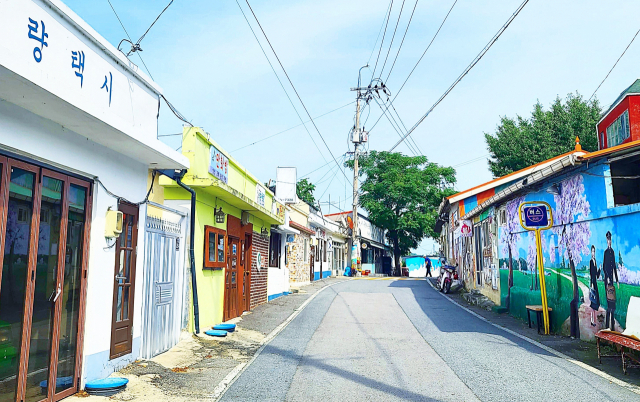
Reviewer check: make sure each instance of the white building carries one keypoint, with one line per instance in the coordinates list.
(78, 125)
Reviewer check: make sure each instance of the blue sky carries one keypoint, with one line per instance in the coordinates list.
(210, 67)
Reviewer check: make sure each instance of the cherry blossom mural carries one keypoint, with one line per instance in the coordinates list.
(571, 209)
(591, 255)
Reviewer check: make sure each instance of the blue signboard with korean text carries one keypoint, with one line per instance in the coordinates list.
(219, 165)
(536, 216)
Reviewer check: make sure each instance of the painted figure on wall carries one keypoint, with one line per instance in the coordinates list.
(594, 295)
(610, 271)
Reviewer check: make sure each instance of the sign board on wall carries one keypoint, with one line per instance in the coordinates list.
(278, 210)
(219, 165)
(464, 229)
(260, 195)
(47, 50)
(286, 179)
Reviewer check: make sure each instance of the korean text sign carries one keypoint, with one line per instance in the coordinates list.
(536, 216)
(219, 165)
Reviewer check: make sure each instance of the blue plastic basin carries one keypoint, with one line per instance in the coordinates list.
(106, 383)
(216, 332)
(225, 327)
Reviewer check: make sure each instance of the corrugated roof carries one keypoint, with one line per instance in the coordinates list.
(507, 178)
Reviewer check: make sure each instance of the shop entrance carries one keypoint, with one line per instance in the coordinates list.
(232, 280)
(312, 263)
(237, 291)
(125, 275)
(44, 222)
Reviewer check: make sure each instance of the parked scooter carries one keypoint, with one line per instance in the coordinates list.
(448, 274)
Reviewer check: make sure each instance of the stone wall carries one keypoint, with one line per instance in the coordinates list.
(297, 264)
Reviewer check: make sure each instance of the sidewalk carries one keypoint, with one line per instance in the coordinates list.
(194, 369)
(582, 351)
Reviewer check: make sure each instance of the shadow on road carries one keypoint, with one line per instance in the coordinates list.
(368, 382)
(450, 318)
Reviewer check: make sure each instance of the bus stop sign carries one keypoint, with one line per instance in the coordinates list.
(536, 216)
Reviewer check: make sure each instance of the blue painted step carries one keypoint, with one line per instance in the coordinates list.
(225, 327)
(216, 332)
(106, 383)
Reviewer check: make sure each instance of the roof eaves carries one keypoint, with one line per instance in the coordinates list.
(535, 177)
(500, 180)
(609, 151)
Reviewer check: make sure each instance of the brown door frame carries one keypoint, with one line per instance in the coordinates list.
(83, 288)
(39, 172)
(312, 263)
(248, 243)
(132, 210)
(231, 300)
(27, 309)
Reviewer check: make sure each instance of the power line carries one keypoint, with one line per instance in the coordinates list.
(278, 77)
(379, 32)
(291, 128)
(420, 59)
(466, 71)
(130, 41)
(615, 64)
(402, 42)
(294, 88)
(405, 127)
(148, 29)
(382, 42)
(479, 158)
(392, 38)
(415, 153)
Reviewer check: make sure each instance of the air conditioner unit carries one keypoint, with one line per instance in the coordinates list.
(245, 218)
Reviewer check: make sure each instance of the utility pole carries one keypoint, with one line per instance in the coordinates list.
(357, 138)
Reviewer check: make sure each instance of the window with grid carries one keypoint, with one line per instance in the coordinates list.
(619, 130)
(214, 247)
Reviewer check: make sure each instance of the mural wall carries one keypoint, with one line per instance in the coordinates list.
(591, 255)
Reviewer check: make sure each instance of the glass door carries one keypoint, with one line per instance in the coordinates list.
(35, 229)
(46, 288)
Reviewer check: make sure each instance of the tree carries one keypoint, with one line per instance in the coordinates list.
(305, 189)
(401, 195)
(519, 143)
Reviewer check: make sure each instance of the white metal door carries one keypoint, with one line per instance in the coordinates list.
(163, 286)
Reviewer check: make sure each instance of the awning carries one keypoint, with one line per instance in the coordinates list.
(301, 228)
(284, 229)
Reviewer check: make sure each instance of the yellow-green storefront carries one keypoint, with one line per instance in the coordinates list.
(230, 255)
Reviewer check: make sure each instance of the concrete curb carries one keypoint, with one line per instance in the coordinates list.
(610, 378)
(224, 385)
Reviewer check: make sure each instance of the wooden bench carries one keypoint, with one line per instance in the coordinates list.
(538, 311)
(628, 340)
(628, 359)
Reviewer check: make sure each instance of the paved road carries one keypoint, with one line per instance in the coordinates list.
(399, 340)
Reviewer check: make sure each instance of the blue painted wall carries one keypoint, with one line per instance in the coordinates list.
(583, 213)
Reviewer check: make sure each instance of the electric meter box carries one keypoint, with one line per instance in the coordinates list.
(113, 224)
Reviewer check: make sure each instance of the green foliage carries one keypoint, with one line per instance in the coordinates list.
(305, 189)
(402, 194)
(519, 143)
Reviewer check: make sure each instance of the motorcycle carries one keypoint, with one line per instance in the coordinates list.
(448, 274)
